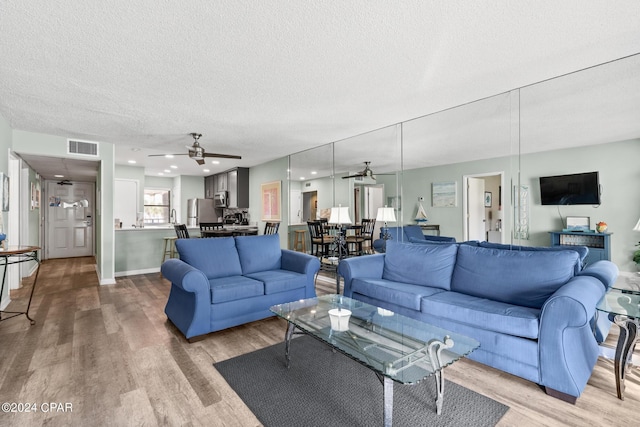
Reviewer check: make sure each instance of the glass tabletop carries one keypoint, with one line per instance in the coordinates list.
(620, 302)
(628, 284)
(392, 345)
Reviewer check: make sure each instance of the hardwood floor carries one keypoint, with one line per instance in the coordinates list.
(110, 353)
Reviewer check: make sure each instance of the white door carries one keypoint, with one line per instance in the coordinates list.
(69, 223)
(295, 207)
(475, 209)
(373, 199)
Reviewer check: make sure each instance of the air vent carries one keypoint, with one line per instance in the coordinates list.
(86, 148)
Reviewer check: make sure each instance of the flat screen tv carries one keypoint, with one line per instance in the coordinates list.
(575, 189)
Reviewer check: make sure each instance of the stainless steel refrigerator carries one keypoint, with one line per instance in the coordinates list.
(201, 210)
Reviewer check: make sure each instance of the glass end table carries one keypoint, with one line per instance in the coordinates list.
(623, 307)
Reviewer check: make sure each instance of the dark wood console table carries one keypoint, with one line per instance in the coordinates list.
(15, 255)
(431, 227)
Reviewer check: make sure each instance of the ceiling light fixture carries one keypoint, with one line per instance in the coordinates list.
(167, 171)
(173, 167)
(215, 162)
(205, 170)
(59, 176)
(131, 161)
(169, 156)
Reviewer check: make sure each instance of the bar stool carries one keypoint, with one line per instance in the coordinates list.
(169, 248)
(300, 240)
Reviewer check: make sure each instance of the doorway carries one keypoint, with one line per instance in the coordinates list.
(310, 205)
(482, 209)
(69, 219)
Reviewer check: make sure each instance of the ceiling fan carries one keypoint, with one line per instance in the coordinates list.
(365, 173)
(197, 153)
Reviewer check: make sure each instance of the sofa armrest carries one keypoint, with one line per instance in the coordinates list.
(603, 270)
(299, 262)
(362, 267)
(566, 345)
(304, 264)
(189, 303)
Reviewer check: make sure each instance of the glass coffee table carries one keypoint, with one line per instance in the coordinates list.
(396, 348)
(622, 303)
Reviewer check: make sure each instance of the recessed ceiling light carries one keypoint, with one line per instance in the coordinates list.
(174, 167)
(314, 173)
(131, 161)
(301, 178)
(215, 162)
(160, 173)
(59, 176)
(205, 170)
(167, 171)
(169, 156)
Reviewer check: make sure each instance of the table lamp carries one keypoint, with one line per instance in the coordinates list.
(386, 214)
(340, 216)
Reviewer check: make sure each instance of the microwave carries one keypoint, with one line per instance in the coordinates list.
(220, 199)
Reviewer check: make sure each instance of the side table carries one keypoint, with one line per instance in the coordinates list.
(623, 308)
(15, 255)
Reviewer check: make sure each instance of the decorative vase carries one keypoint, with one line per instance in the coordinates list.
(601, 227)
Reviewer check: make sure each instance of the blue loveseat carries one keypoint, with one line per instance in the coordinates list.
(222, 282)
(406, 234)
(530, 310)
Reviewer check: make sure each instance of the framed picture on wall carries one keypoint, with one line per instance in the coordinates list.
(271, 204)
(444, 194)
(487, 199)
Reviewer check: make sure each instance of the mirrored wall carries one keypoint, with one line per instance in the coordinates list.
(475, 168)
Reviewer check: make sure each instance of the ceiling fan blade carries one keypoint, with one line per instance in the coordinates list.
(163, 155)
(358, 175)
(223, 156)
(199, 161)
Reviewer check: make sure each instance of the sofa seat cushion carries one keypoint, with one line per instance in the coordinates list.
(279, 280)
(427, 265)
(214, 257)
(484, 313)
(397, 293)
(526, 278)
(233, 288)
(259, 253)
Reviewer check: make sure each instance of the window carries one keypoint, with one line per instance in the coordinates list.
(156, 206)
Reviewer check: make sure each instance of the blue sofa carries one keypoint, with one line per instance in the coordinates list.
(222, 282)
(406, 234)
(530, 310)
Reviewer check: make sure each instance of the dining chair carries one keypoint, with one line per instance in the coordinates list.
(368, 225)
(271, 227)
(320, 241)
(356, 239)
(181, 231)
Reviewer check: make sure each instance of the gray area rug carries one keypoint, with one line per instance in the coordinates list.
(323, 388)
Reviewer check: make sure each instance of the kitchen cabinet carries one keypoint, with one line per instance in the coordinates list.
(238, 187)
(209, 186)
(234, 181)
(220, 182)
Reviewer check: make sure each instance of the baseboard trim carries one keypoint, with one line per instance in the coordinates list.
(136, 272)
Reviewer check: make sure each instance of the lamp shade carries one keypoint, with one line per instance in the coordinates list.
(386, 214)
(637, 227)
(339, 215)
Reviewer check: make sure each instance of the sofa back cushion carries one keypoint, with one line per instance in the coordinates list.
(427, 265)
(413, 231)
(259, 253)
(526, 278)
(432, 239)
(582, 251)
(215, 257)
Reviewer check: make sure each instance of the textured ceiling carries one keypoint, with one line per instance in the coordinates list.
(266, 79)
